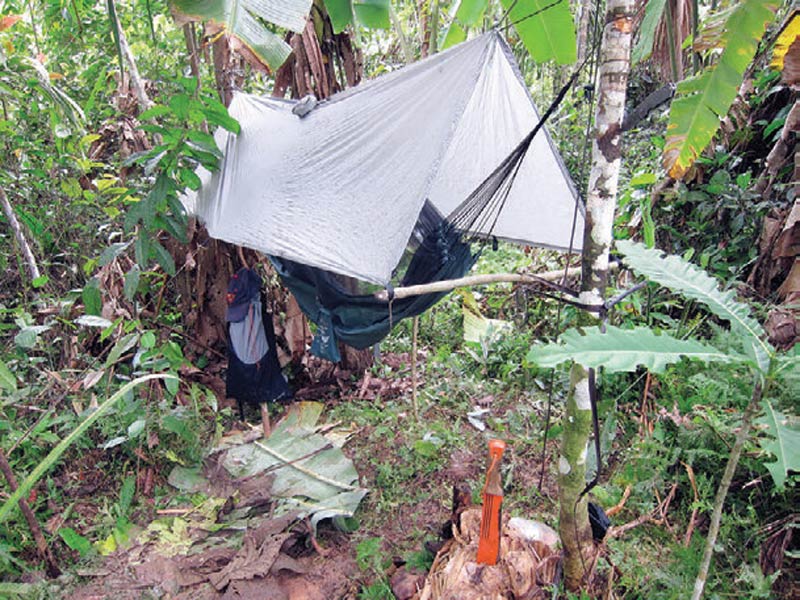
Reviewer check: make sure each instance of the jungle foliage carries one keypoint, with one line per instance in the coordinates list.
(110, 375)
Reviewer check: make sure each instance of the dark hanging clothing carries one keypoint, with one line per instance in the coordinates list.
(254, 374)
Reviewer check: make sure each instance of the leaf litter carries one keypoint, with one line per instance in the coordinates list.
(254, 534)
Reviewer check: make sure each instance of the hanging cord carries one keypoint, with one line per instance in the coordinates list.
(595, 55)
(482, 208)
(530, 15)
(505, 14)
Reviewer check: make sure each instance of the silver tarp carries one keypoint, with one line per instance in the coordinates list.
(341, 188)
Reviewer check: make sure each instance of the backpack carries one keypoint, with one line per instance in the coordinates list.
(254, 375)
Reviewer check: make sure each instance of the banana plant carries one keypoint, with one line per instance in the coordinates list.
(618, 350)
(546, 28)
(374, 14)
(703, 100)
(246, 22)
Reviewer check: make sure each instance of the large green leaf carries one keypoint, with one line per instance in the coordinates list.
(373, 13)
(546, 28)
(782, 441)
(470, 12)
(701, 101)
(463, 14)
(311, 473)
(684, 278)
(647, 30)
(623, 350)
(245, 20)
(369, 13)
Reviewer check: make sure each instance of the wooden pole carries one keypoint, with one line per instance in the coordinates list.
(414, 334)
(471, 280)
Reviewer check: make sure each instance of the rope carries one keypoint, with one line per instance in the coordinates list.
(484, 205)
(534, 13)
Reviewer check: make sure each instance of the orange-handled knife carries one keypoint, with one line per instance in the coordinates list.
(489, 538)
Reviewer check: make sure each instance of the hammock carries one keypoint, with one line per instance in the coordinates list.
(357, 186)
(360, 319)
(438, 249)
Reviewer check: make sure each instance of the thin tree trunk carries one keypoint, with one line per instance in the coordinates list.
(583, 28)
(221, 50)
(673, 27)
(727, 477)
(574, 527)
(190, 37)
(423, 16)
(27, 253)
(133, 72)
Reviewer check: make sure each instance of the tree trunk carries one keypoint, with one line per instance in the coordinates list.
(583, 28)
(133, 72)
(223, 68)
(600, 204)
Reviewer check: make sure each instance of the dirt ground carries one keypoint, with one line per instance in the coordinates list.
(277, 558)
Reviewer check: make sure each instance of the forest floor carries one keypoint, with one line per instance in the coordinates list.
(409, 467)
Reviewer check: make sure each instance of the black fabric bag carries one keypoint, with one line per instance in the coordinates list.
(254, 375)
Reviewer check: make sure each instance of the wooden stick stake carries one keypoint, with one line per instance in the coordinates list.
(414, 334)
(265, 420)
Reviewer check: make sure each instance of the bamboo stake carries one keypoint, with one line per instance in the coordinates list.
(27, 253)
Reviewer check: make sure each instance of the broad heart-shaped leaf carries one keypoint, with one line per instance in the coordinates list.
(701, 101)
(647, 30)
(623, 350)
(782, 441)
(545, 28)
(684, 278)
(369, 13)
(244, 20)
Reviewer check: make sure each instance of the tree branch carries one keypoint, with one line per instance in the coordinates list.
(471, 280)
(27, 253)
